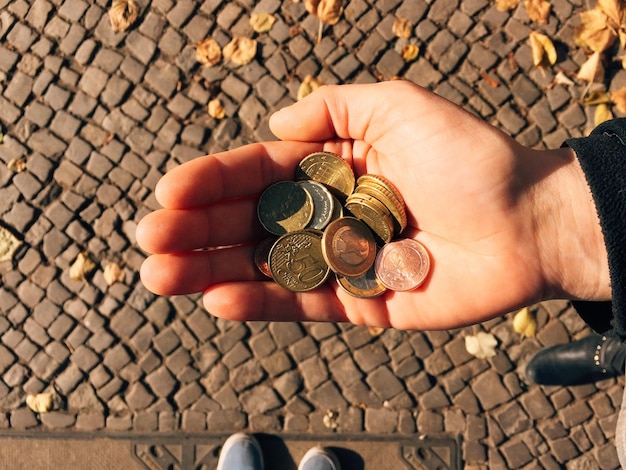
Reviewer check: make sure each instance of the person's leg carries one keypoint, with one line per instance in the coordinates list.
(240, 452)
(318, 458)
(587, 360)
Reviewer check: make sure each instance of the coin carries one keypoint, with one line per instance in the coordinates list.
(337, 209)
(373, 213)
(296, 261)
(348, 247)
(329, 169)
(382, 182)
(323, 204)
(402, 265)
(261, 255)
(364, 286)
(388, 199)
(285, 207)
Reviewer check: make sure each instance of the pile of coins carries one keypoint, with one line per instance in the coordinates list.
(326, 222)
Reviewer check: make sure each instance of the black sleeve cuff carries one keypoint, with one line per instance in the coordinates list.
(602, 157)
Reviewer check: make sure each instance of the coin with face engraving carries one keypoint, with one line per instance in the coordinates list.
(296, 261)
(323, 204)
(285, 207)
(365, 286)
(329, 169)
(402, 265)
(348, 247)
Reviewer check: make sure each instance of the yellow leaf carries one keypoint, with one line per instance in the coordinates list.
(40, 402)
(613, 10)
(329, 11)
(17, 165)
(542, 49)
(506, 5)
(208, 52)
(81, 267)
(402, 28)
(8, 244)
(375, 330)
(592, 70)
(262, 22)
(410, 52)
(482, 345)
(215, 109)
(619, 99)
(240, 50)
(113, 273)
(123, 14)
(602, 113)
(594, 32)
(597, 97)
(311, 6)
(525, 322)
(308, 86)
(538, 10)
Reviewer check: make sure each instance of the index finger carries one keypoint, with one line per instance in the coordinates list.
(242, 172)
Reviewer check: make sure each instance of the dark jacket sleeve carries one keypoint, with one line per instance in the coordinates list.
(602, 157)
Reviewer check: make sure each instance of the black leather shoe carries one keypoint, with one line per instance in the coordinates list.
(587, 360)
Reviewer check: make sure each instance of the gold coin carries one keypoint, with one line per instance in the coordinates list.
(329, 169)
(285, 207)
(365, 286)
(261, 255)
(296, 261)
(402, 265)
(384, 183)
(348, 247)
(389, 200)
(373, 213)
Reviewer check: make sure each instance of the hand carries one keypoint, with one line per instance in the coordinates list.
(498, 219)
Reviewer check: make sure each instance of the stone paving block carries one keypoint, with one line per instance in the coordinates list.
(260, 399)
(23, 418)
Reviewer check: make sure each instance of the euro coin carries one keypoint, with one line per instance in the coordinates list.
(373, 214)
(285, 207)
(261, 255)
(388, 199)
(365, 286)
(323, 204)
(329, 169)
(348, 247)
(402, 265)
(296, 261)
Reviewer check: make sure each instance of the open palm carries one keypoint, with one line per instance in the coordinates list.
(471, 195)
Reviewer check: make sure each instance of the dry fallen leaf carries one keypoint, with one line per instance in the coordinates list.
(123, 14)
(8, 244)
(215, 109)
(538, 10)
(594, 32)
(262, 22)
(482, 345)
(330, 419)
(592, 70)
(525, 322)
(208, 52)
(542, 49)
(329, 11)
(311, 6)
(506, 5)
(375, 330)
(40, 402)
(614, 11)
(308, 86)
(603, 113)
(618, 97)
(81, 267)
(17, 165)
(410, 52)
(240, 50)
(562, 79)
(596, 97)
(402, 27)
(113, 273)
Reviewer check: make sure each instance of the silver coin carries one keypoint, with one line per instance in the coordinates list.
(365, 286)
(323, 204)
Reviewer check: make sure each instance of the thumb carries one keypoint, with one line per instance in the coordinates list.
(340, 111)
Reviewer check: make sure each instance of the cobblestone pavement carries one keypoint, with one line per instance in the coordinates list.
(99, 116)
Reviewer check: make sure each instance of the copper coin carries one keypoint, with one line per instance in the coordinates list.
(323, 204)
(348, 247)
(329, 169)
(402, 265)
(365, 286)
(261, 255)
(285, 207)
(296, 261)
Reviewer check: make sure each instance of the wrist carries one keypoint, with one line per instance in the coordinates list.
(570, 242)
